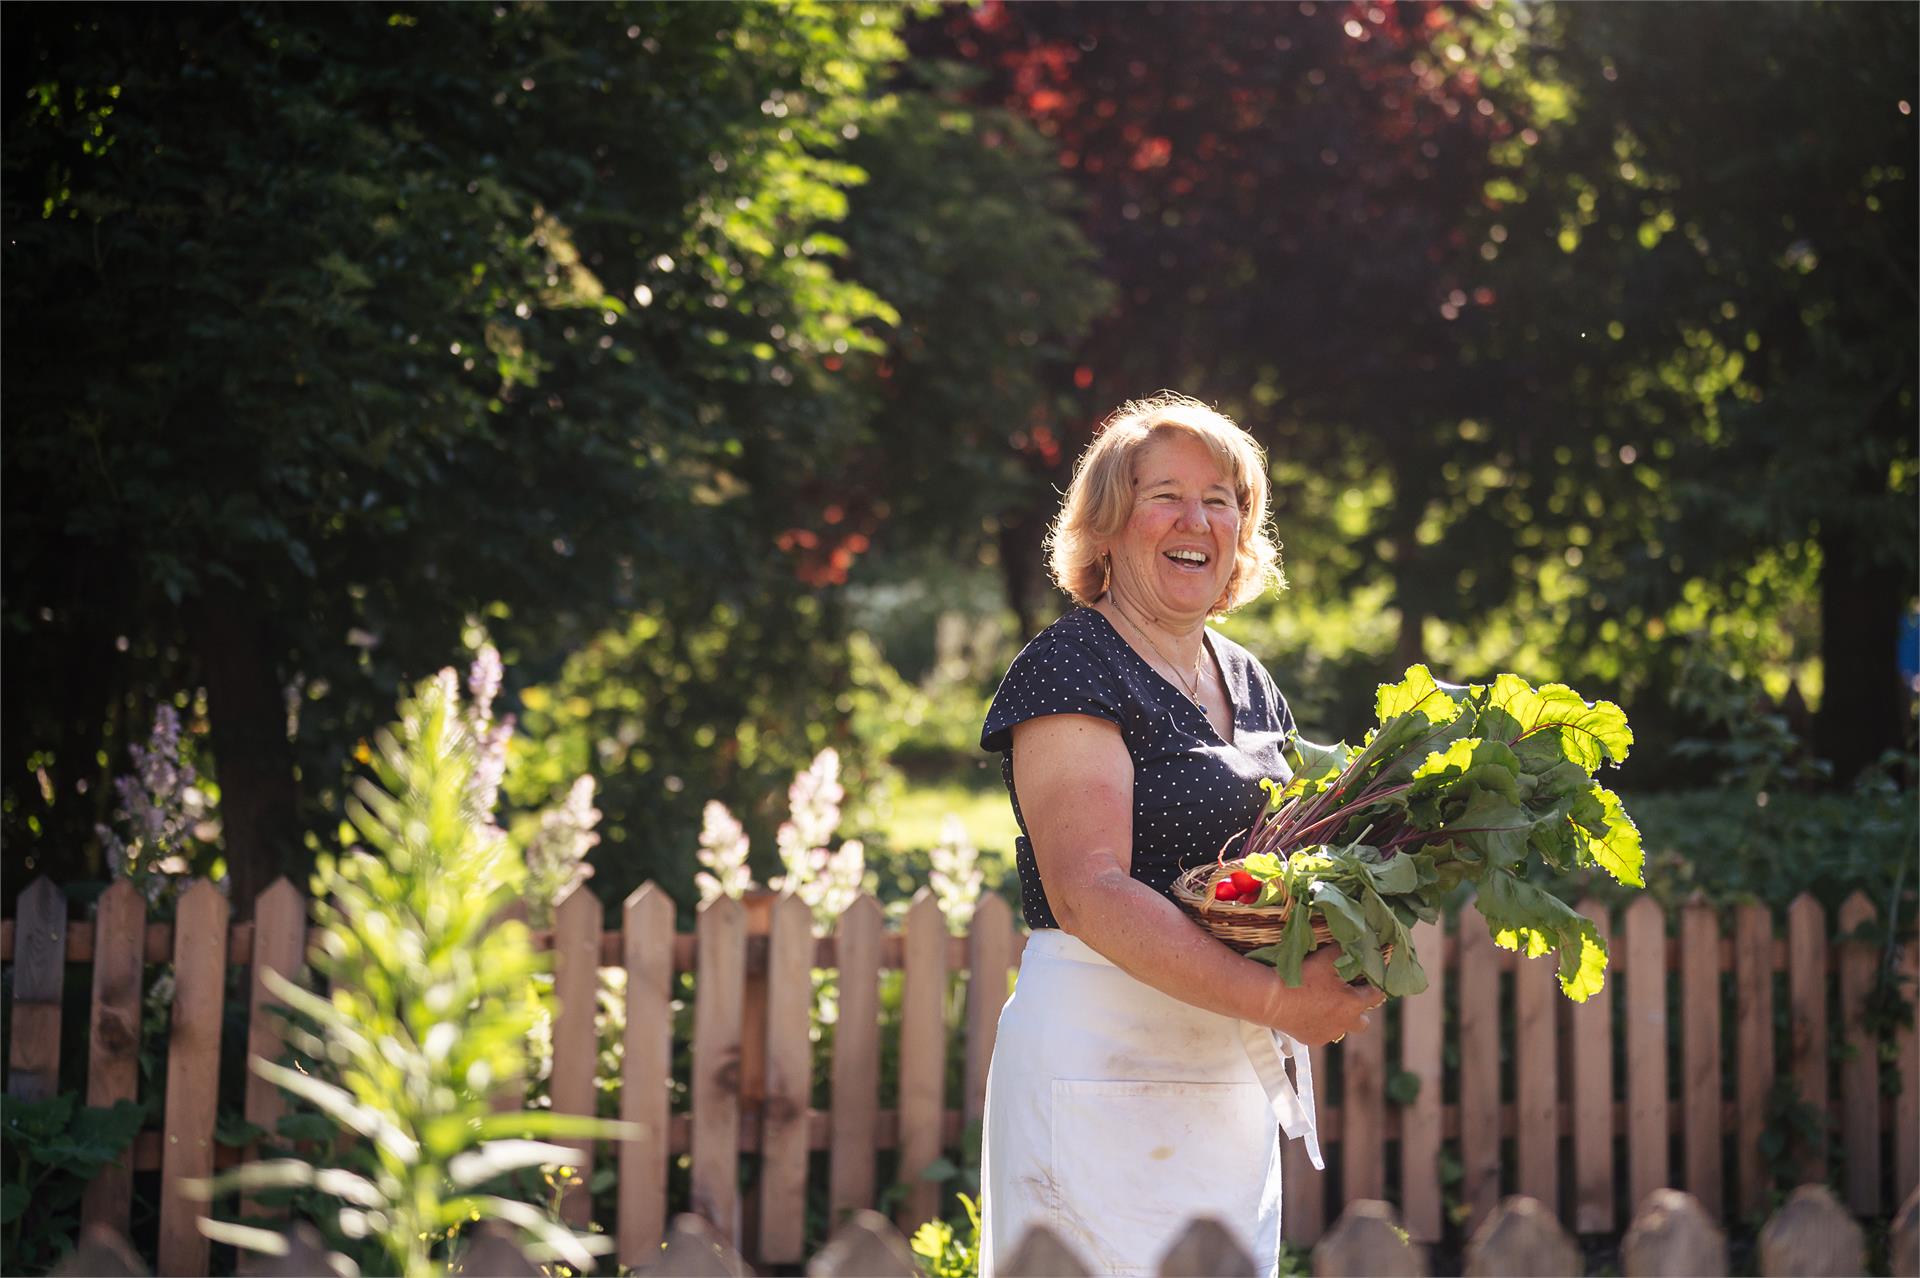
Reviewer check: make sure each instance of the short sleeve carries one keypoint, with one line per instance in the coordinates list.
(1055, 674)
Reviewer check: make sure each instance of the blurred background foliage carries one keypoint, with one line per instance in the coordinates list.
(721, 364)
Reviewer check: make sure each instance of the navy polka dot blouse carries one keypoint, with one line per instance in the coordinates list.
(1191, 790)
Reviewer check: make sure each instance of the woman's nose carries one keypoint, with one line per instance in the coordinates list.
(1193, 514)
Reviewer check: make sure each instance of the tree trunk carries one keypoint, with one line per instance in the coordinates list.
(1863, 709)
(259, 799)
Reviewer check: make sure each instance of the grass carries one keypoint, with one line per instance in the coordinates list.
(915, 814)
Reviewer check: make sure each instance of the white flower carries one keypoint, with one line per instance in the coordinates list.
(723, 849)
(956, 876)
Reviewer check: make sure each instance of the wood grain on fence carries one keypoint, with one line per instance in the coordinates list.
(1536, 1074)
(789, 1083)
(1303, 1215)
(39, 980)
(1422, 1054)
(779, 1126)
(715, 1086)
(856, 1060)
(1753, 1049)
(1521, 1238)
(646, 1073)
(1807, 1020)
(576, 1042)
(1812, 1236)
(1362, 1131)
(1860, 1070)
(193, 1072)
(1648, 1121)
(1368, 1240)
(923, 1056)
(1700, 1077)
(990, 958)
(1672, 1237)
(280, 928)
(1591, 1084)
(113, 1040)
(1479, 1070)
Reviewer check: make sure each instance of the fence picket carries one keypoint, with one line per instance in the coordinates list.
(1421, 1055)
(856, 1060)
(193, 1072)
(1591, 1033)
(1807, 1017)
(1521, 1239)
(279, 930)
(1753, 1045)
(990, 954)
(576, 1044)
(1367, 1240)
(113, 1039)
(717, 1131)
(923, 1049)
(721, 955)
(789, 1083)
(1646, 1006)
(1672, 1234)
(1700, 1079)
(1812, 1236)
(1479, 1070)
(39, 977)
(1536, 1073)
(1304, 1214)
(646, 944)
(1860, 1072)
(1362, 1138)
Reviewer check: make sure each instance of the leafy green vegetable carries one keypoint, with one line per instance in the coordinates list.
(1454, 784)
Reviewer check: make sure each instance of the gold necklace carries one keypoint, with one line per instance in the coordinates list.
(1193, 695)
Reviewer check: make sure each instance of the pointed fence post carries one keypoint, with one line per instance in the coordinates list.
(1812, 1236)
(865, 1246)
(576, 1043)
(785, 1125)
(694, 1248)
(1672, 1237)
(113, 1039)
(279, 939)
(1041, 1254)
(193, 1072)
(923, 1056)
(856, 1059)
(719, 989)
(1206, 1249)
(39, 977)
(1367, 1239)
(646, 944)
(1522, 1239)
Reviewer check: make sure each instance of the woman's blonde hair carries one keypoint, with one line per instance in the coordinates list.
(1099, 500)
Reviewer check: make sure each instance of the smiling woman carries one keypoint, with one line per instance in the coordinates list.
(1133, 745)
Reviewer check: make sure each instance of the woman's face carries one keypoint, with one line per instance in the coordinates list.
(1176, 552)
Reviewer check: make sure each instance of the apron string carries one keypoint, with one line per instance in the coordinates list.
(1293, 1106)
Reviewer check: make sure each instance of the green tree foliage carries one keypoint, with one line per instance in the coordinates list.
(1722, 407)
(340, 325)
(711, 694)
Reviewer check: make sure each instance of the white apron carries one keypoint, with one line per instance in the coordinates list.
(1116, 1114)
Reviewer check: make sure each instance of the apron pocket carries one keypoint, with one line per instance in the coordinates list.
(1134, 1162)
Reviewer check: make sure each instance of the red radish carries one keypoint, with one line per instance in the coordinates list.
(1245, 883)
(1224, 890)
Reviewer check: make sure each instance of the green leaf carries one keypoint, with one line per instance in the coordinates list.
(1554, 723)
(1403, 1088)
(1616, 849)
(496, 1157)
(14, 1199)
(1416, 692)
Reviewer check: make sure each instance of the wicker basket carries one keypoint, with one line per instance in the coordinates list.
(1243, 927)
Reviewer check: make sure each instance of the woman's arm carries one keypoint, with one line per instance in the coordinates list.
(1075, 782)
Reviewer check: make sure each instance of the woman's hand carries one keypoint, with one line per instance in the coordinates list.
(1323, 1008)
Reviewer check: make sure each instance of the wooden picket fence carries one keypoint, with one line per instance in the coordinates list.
(1697, 1127)
(1811, 1234)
